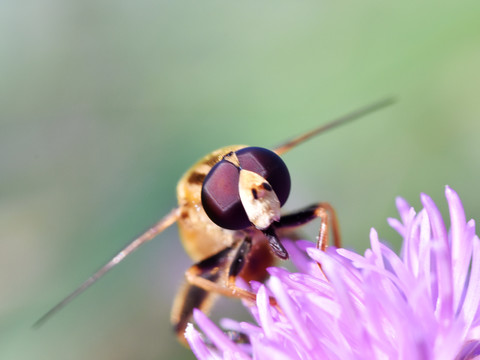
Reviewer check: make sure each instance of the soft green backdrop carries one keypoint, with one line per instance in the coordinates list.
(104, 104)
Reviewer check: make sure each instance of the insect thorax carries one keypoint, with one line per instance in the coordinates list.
(199, 235)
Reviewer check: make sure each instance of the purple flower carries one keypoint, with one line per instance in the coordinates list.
(423, 304)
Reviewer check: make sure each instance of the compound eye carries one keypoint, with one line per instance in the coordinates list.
(268, 165)
(220, 197)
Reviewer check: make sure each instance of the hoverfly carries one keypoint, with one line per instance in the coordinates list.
(229, 219)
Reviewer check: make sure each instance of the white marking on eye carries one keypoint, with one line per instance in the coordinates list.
(259, 201)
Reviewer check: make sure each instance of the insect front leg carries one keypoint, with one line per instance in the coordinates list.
(328, 219)
(207, 279)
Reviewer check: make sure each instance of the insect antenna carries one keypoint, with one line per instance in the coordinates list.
(148, 235)
(354, 115)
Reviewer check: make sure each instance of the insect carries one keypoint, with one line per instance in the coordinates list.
(229, 221)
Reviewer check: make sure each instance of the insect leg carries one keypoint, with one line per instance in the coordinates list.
(217, 273)
(328, 218)
(207, 279)
(189, 297)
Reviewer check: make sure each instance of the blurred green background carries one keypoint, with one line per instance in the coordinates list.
(103, 106)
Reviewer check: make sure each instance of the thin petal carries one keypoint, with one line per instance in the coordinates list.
(438, 226)
(292, 312)
(217, 336)
(403, 208)
(263, 305)
(396, 225)
(472, 298)
(457, 224)
(197, 345)
(443, 266)
(470, 351)
(375, 244)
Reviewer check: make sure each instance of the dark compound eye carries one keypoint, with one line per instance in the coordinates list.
(220, 196)
(269, 165)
